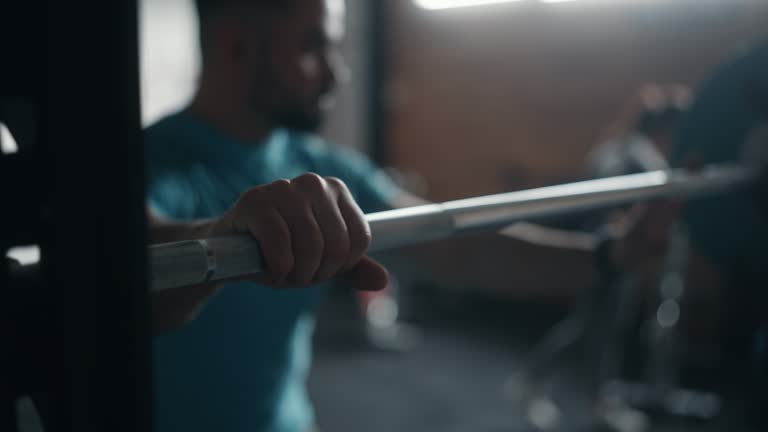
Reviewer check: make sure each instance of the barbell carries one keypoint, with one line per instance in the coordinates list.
(190, 262)
(725, 219)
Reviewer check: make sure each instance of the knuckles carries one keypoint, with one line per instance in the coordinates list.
(296, 257)
(311, 183)
(339, 249)
(336, 183)
(306, 185)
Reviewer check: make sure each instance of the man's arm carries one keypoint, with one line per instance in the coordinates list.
(309, 229)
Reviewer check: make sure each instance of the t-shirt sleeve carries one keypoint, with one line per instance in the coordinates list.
(371, 187)
(168, 190)
(168, 195)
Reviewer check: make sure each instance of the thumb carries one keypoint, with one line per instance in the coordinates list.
(367, 275)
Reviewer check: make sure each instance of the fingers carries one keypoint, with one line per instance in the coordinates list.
(323, 196)
(307, 240)
(274, 235)
(367, 275)
(358, 230)
(310, 229)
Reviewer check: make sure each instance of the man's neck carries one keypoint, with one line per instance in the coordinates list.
(230, 115)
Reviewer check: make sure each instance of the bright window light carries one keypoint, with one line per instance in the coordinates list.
(7, 143)
(25, 254)
(449, 4)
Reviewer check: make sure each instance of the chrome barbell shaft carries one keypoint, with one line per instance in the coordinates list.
(190, 262)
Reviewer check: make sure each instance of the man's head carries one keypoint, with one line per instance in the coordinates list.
(281, 55)
(659, 113)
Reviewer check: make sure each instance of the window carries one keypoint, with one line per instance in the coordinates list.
(7, 143)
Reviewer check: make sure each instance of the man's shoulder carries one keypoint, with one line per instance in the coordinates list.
(166, 132)
(370, 186)
(168, 144)
(169, 124)
(323, 152)
(305, 142)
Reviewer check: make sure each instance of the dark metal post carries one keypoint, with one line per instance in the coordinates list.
(78, 186)
(378, 65)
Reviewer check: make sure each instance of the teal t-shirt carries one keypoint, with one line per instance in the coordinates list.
(242, 364)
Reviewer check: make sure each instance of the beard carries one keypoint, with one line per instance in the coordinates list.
(286, 107)
(303, 120)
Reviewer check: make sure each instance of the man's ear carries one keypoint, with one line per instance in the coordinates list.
(231, 40)
(248, 40)
(227, 37)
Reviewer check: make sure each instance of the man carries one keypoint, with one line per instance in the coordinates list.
(267, 70)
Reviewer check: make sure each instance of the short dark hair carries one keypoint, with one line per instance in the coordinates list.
(208, 7)
(660, 119)
(208, 10)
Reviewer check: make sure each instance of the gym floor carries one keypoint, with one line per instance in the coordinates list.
(452, 380)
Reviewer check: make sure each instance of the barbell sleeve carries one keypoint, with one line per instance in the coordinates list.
(190, 262)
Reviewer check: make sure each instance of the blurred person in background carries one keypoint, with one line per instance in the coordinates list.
(725, 122)
(630, 241)
(641, 138)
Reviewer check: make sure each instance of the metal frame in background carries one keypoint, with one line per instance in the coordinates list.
(377, 107)
(78, 340)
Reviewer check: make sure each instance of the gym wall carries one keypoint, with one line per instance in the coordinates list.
(493, 98)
